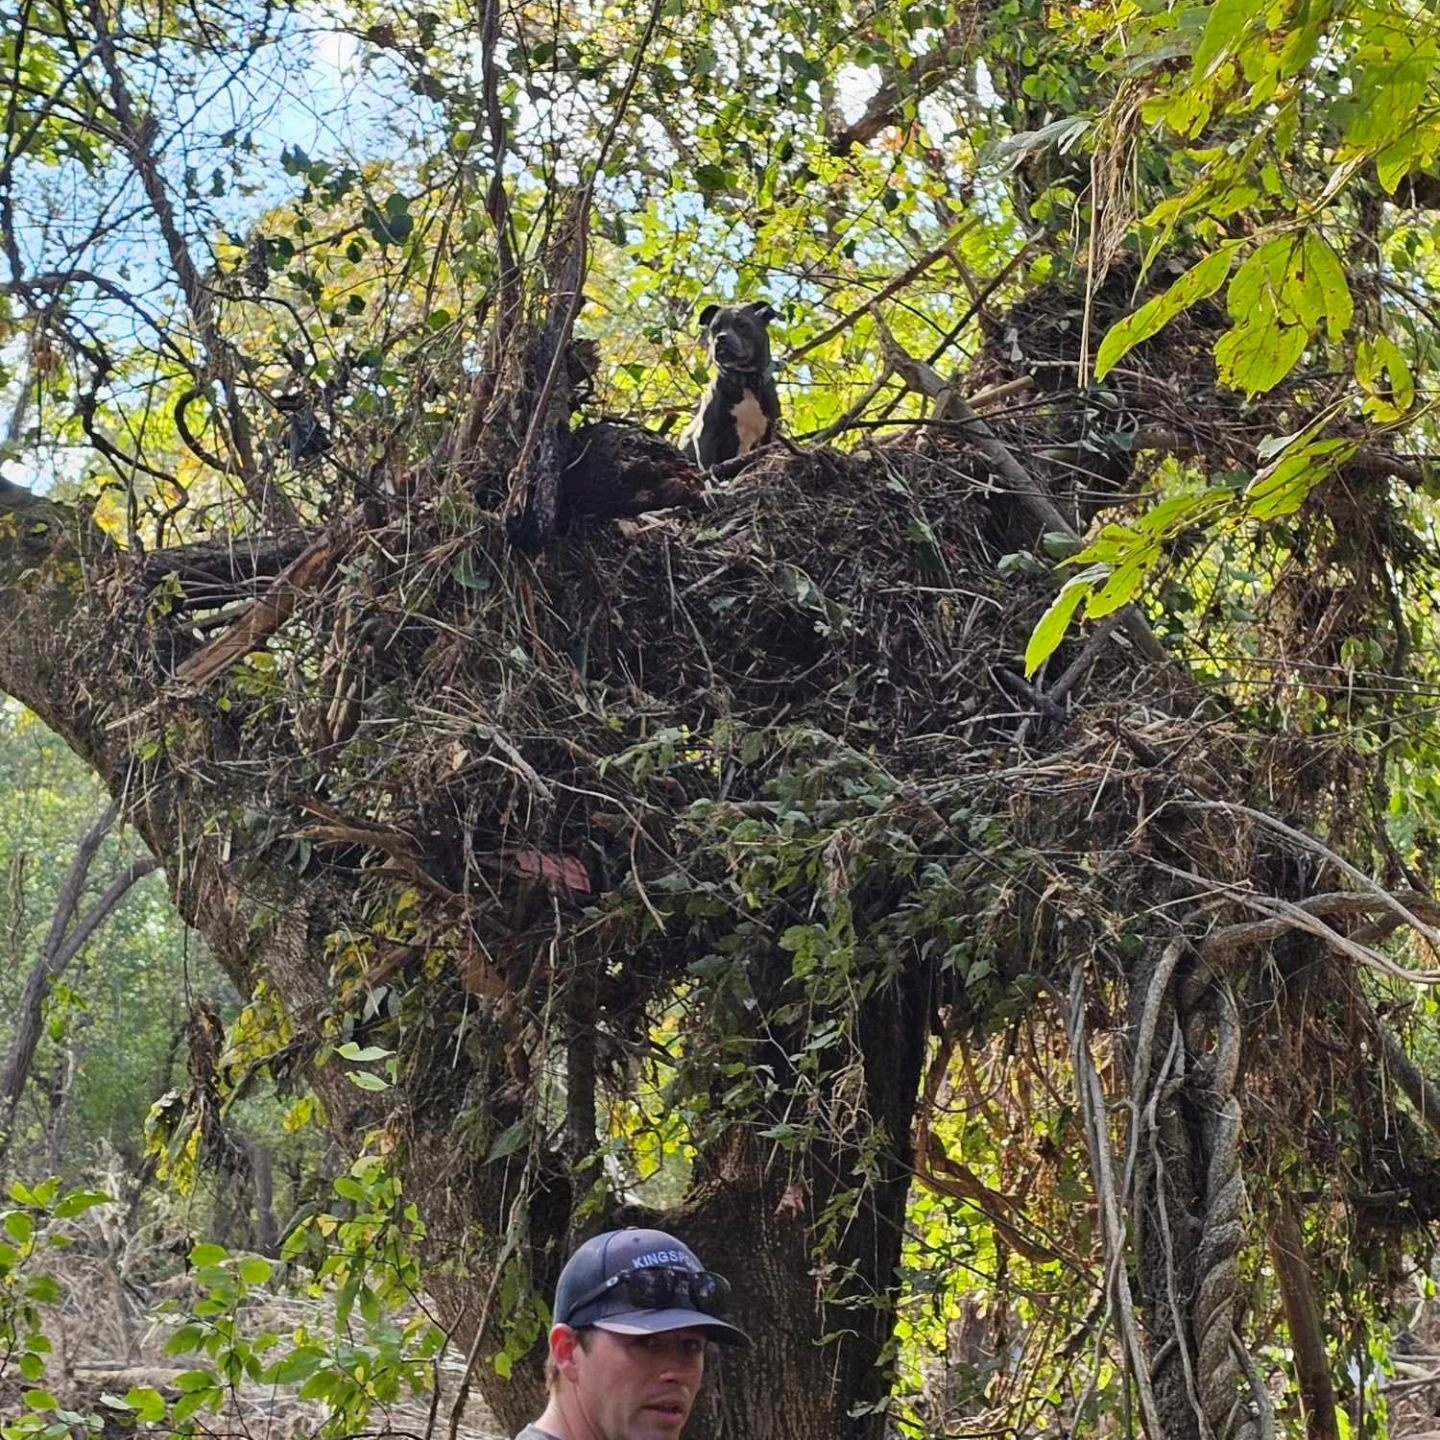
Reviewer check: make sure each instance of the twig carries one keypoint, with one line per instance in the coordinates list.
(1091, 1099)
(1087, 656)
(1317, 847)
(904, 278)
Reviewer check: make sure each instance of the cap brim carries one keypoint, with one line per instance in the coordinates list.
(656, 1322)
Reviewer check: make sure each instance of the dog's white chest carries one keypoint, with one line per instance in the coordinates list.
(750, 421)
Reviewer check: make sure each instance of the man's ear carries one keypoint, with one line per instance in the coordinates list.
(707, 314)
(564, 1343)
(763, 311)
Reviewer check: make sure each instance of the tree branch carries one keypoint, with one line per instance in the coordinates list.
(1306, 1323)
(909, 86)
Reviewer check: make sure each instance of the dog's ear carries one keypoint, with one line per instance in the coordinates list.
(707, 314)
(763, 311)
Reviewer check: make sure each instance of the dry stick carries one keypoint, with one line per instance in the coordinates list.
(1178, 1339)
(264, 616)
(1041, 508)
(1087, 656)
(1298, 918)
(1312, 924)
(904, 278)
(819, 437)
(1264, 1406)
(1145, 1044)
(980, 301)
(1242, 936)
(1421, 1091)
(1005, 391)
(1091, 1098)
(1308, 842)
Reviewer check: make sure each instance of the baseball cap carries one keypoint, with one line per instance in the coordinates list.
(670, 1288)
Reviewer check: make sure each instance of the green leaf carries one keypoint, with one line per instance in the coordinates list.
(1124, 584)
(41, 1400)
(299, 1365)
(188, 1405)
(77, 1202)
(1051, 628)
(1282, 486)
(1228, 20)
(1384, 374)
(1396, 66)
(148, 1404)
(46, 1289)
(254, 1270)
(468, 571)
(1323, 289)
(20, 1226)
(1198, 283)
(366, 1081)
(351, 1051)
(1274, 304)
(509, 1141)
(1257, 355)
(185, 1339)
(208, 1255)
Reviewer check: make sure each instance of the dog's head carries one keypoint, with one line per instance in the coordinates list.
(736, 337)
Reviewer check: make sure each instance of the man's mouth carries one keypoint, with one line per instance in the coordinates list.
(673, 1409)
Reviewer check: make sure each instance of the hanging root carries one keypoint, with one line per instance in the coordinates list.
(1213, 1313)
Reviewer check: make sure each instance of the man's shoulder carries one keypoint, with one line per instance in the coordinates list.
(534, 1432)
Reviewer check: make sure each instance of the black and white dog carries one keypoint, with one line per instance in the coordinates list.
(740, 408)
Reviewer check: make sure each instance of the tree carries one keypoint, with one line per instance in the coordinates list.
(696, 846)
(67, 936)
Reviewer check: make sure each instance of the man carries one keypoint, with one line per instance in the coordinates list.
(633, 1311)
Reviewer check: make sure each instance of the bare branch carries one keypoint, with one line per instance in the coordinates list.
(904, 278)
(272, 609)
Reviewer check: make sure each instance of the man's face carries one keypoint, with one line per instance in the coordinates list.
(628, 1387)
